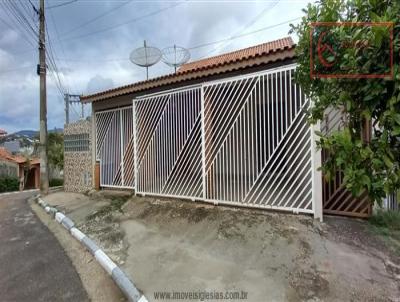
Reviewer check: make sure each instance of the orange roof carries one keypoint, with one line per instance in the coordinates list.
(7, 155)
(2, 131)
(238, 55)
(269, 52)
(35, 161)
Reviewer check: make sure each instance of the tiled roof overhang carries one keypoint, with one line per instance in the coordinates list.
(266, 53)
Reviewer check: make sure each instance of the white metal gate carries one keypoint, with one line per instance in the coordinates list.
(242, 141)
(258, 142)
(115, 147)
(168, 137)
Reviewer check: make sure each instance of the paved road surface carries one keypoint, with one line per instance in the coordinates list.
(33, 265)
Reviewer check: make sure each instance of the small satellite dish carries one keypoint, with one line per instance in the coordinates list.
(175, 56)
(145, 56)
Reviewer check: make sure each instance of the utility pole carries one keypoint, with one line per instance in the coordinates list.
(44, 174)
(71, 99)
(66, 99)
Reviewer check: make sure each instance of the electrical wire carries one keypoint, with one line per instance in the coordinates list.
(199, 45)
(53, 65)
(62, 4)
(95, 18)
(243, 35)
(18, 24)
(156, 12)
(21, 17)
(62, 47)
(254, 20)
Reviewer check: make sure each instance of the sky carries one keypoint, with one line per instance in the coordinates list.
(91, 40)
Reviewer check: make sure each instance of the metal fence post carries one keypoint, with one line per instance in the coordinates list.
(135, 163)
(316, 174)
(203, 143)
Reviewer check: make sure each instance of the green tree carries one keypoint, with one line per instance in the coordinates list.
(56, 149)
(368, 162)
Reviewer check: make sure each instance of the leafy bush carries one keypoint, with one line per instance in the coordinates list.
(56, 182)
(368, 163)
(9, 184)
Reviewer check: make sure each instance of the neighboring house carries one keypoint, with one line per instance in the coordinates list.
(3, 133)
(28, 170)
(229, 129)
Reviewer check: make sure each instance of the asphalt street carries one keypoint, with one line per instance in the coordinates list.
(33, 265)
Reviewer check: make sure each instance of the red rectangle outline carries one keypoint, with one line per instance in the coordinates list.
(352, 76)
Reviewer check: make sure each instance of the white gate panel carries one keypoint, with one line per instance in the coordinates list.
(169, 158)
(115, 147)
(258, 143)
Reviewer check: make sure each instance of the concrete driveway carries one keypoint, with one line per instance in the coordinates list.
(33, 265)
(172, 247)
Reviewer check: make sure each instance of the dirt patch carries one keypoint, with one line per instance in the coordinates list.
(307, 286)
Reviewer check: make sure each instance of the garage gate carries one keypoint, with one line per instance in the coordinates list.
(243, 141)
(115, 147)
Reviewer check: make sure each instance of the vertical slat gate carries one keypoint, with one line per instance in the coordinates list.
(258, 143)
(115, 147)
(168, 128)
(243, 141)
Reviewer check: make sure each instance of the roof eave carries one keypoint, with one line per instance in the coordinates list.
(169, 79)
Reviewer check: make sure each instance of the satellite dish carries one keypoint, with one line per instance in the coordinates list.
(145, 56)
(175, 56)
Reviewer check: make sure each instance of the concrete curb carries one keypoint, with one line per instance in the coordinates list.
(120, 278)
(15, 192)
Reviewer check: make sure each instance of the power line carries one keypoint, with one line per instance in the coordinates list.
(22, 18)
(17, 24)
(96, 18)
(34, 7)
(254, 20)
(62, 4)
(61, 44)
(243, 35)
(53, 65)
(196, 46)
(156, 12)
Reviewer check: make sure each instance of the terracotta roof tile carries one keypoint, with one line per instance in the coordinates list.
(239, 55)
(7, 155)
(270, 52)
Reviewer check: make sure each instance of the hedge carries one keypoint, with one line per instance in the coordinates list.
(56, 182)
(8, 184)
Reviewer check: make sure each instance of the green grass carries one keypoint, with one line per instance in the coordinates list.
(387, 225)
(386, 219)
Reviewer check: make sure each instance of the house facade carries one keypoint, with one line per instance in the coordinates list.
(27, 171)
(229, 129)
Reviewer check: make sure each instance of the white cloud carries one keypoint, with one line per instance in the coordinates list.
(100, 61)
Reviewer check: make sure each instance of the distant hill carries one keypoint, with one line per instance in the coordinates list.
(33, 133)
(57, 130)
(28, 133)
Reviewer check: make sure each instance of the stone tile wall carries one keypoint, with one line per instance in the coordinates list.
(78, 170)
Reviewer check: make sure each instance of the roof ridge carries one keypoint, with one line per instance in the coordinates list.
(242, 50)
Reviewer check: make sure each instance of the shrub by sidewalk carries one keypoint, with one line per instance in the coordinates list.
(8, 184)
